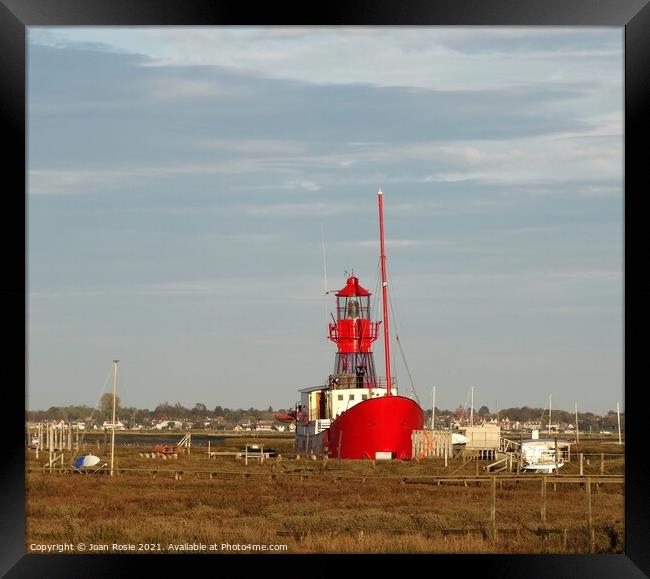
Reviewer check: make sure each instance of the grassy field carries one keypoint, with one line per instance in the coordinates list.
(318, 506)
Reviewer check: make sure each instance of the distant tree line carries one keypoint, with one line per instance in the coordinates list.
(199, 413)
(525, 414)
(129, 415)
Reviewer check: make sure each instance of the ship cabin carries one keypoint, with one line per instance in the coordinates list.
(320, 405)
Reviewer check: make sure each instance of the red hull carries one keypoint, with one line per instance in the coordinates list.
(380, 424)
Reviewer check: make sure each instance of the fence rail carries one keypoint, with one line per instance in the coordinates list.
(416, 479)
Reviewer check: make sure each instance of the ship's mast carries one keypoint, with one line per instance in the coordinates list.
(384, 289)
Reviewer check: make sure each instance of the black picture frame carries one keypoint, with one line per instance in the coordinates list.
(633, 15)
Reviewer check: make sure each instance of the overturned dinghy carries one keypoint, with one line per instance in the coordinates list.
(86, 461)
(457, 438)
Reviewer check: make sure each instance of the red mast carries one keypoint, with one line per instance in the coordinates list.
(384, 290)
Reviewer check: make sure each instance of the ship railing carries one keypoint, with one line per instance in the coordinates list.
(508, 445)
(381, 382)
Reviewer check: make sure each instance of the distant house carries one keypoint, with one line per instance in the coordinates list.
(110, 426)
(264, 425)
(280, 427)
(292, 427)
(169, 425)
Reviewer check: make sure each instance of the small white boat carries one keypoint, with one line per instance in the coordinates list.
(543, 467)
(538, 454)
(457, 438)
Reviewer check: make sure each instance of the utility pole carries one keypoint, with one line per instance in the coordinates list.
(550, 398)
(113, 421)
(618, 417)
(577, 427)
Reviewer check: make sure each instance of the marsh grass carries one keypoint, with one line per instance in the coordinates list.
(314, 506)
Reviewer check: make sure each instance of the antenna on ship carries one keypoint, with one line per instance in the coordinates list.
(322, 238)
(325, 291)
(384, 289)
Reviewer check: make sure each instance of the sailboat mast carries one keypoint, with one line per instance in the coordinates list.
(433, 409)
(384, 289)
(471, 409)
(113, 421)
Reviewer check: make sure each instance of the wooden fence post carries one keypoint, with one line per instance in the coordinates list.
(582, 463)
(602, 463)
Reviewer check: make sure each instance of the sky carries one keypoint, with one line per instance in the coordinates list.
(192, 192)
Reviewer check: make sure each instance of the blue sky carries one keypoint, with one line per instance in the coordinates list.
(181, 182)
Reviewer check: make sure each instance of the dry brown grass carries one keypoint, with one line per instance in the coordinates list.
(314, 507)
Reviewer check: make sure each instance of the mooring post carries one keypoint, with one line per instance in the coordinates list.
(50, 437)
(589, 516)
(493, 511)
(589, 519)
(543, 501)
(339, 449)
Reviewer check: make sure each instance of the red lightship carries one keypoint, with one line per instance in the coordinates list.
(356, 414)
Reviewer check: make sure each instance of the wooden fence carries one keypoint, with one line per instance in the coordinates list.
(432, 444)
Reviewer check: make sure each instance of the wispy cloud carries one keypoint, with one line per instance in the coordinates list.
(233, 290)
(262, 147)
(179, 89)
(400, 243)
(84, 180)
(441, 58)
